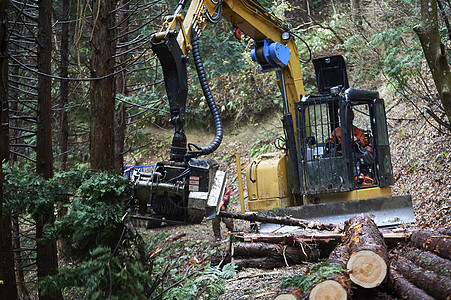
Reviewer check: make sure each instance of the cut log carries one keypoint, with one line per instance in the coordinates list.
(291, 293)
(319, 238)
(290, 238)
(368, 261)
(404, 289)
(278, 220)
(290, 254)
(435, 242)
(435, 285)
(429, 261)
(259, 262)
(336, 285)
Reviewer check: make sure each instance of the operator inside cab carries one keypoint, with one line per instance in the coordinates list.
(356, 133)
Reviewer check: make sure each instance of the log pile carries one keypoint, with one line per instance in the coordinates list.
(409, 263)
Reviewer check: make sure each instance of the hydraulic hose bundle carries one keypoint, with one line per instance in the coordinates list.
(210, 101)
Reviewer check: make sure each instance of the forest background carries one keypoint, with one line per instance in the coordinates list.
(82, 91)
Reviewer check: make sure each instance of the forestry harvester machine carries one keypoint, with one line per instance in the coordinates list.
(315, 175)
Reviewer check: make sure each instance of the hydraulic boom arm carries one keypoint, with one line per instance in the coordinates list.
(177, 38)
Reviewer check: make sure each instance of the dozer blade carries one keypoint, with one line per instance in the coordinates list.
(385, 211)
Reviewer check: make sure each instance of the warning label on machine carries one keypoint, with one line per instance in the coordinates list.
(194, 183)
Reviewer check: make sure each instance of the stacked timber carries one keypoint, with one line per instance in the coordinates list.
(423, 271)
(417, 267)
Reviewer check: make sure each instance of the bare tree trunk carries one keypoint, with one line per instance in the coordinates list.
(102, 90)
(8, 288)
(435, 52)
(46, 253)
(64, 84)
(121, 86)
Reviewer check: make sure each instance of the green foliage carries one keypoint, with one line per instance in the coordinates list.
(263, 145)
(27, 192)
(208, 283)
(221, 52)
(316, 273)
(107, 258)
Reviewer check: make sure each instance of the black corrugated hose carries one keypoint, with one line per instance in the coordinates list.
(210, 101)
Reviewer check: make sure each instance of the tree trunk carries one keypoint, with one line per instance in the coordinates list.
(432, 241)
(278, 220)
(46, 253)
(102, 89)
(290, 254)
(435, 285)
(8, 288)
(121, 86)
(429, 261)
(368, 262)
(404, 289)
(435, 52)
(64, 85)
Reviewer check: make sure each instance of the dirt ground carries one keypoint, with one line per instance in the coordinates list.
(421, 163)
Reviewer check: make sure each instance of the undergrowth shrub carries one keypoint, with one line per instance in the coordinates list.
(104, 256)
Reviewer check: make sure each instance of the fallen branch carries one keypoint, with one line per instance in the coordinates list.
(278, 220)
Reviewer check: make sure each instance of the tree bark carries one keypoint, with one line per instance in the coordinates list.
(46, 252)
(329, 239)
(404, 289)
(432, 241)
(288, 254)
(429, 261)
(121, 87)
(435, 285)
(435, 52)
(102, 90)
(259, 262)
(368, 262)
(278, 220)
(8, 289)
(64, 85)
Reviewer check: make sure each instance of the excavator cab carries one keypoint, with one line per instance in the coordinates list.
(343, 154)
(342, 134)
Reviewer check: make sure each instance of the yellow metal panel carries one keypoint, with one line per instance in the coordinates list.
(256, 205)
(267, 182)
(364, 193)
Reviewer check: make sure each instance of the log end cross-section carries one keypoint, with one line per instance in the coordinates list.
(367, 268)
(329, 289)
(368, 261)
